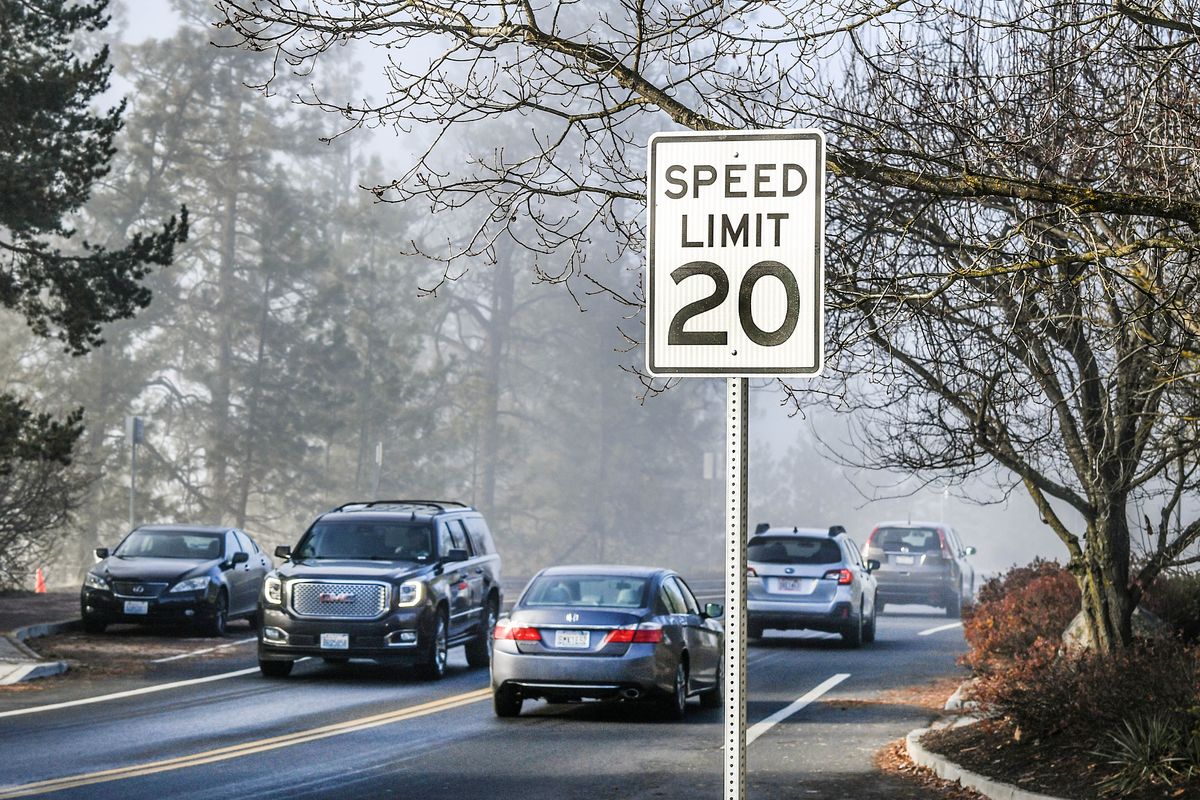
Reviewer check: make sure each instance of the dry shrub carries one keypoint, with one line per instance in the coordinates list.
(1175, 599)
(1017, 610)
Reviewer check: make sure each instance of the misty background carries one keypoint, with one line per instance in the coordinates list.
(298, 336)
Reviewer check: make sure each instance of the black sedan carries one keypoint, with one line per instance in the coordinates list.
(603, 632)
(203, 576)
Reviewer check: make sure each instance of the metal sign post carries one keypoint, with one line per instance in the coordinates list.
(735, 287)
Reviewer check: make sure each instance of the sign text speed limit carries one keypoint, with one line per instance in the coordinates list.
(735, 264)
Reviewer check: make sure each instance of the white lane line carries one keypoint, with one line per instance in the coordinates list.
(940, 628)
(205, 650)
(759, 728)
(158, 687)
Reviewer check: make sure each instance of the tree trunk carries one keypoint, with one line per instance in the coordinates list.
(1104, 581)
(499, 321)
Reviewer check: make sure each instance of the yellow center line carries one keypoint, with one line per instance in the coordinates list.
(245, 748)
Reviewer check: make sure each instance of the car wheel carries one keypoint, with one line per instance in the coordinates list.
(954, 605)
(433, 667)
(275, 669)
(880, 606)
(869, 629)
(506, 702)
(220, 617)
(853, 636)
(754, 630)
(479, 649)
(716, 697)
(92, 625)
(675, 704)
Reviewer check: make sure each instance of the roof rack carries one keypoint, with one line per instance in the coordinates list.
(363, 505)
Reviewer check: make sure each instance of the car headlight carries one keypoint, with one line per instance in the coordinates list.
(273, 591)
(411, 594)
(94, 581)
(192, 584)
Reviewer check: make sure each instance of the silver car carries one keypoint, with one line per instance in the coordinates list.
(809, 578)
(604, 632)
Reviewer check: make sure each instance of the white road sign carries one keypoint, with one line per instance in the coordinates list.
(735, 263)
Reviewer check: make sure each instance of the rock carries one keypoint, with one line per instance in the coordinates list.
(1145, 626)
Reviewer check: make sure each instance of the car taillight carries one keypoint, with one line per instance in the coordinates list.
(844, 577)
(516, 633)
(648, 633)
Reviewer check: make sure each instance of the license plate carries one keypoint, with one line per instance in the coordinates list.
(576, 639)
(335, 641)
(794, 585)
(137, 607)
(906, 559)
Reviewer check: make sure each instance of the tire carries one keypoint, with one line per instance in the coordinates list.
(954, 606)
(674, 705)
(275, 669)
(92, 625)
(506, 702)
(479, 649)
(716, 697)
(869, 630)
(754, 630)
(880, 606)
(220, 618)
(433, 661)
(853, 636)
(255, 620)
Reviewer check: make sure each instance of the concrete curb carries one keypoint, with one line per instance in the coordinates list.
(29, 665)
(946, 769)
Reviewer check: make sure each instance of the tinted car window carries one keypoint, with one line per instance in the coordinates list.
(575, 590)
(673, 597)
(481, 537)
(794, 550)
(459, 534)
(385, 540)
(912, 540)
(242, 542)
(173, 544)
(689, 600)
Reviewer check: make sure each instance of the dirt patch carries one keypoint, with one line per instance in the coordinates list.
(930, 697)
(18, 609)
(1050, 767)
(893, 760)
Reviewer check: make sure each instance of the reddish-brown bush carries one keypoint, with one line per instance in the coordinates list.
(1016, 610)
(1089, 694)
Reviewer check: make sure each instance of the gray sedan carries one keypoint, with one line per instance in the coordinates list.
(604, 632)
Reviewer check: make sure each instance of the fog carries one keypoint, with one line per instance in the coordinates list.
(299, 334)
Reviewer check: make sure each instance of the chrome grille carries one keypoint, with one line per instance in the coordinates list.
(148, 591)
(346, 600)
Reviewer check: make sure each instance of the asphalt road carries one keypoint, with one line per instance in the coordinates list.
(358, 730)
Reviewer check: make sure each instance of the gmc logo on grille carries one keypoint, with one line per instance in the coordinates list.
(331, 597)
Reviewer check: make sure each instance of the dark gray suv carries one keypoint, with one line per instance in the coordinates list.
(921, 562)
(398, 581)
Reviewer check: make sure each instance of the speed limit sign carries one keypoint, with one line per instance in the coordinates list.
(735, 263)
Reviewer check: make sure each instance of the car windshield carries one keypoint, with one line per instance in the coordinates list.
(907, 540)
(587, 590)
(384, 540)
(171, 544)
(794, 550)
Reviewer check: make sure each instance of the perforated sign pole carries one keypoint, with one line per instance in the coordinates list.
(735, 288)
(733, 659)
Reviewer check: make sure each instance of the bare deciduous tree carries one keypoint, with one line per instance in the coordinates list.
(1013, 212)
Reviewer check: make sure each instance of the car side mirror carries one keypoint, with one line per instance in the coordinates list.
(872, 564)
(102, 552)
(713, 610)
(239, 558)
(456, 554)
(283, 551)
(970, 551)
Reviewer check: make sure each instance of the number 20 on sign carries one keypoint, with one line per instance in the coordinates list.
(734, 253)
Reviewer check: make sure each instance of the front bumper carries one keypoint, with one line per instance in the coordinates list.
(643, 669)
(166, 609)
(399, 636)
